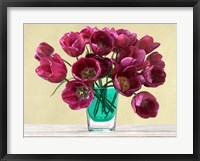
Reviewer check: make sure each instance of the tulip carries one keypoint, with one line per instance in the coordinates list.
(52, 69)
(105, 63)
(86, 70)
(42, 50)
(147, 43)
(154, 76)
(155, 60)
(77, 94)
(126, 80)
(137, 55)
(87, 32)
(101, 43)
(123, 38)
(73, 44)
(145, 105)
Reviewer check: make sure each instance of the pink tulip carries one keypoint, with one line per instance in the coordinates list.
(126, 80)
(87, 32)
(101, 42)
(73, 44)
(52, 69)
(123, 38)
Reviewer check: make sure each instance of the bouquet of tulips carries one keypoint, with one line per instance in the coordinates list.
(104, 58)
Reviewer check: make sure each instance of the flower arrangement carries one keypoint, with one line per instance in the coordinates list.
(104, 58)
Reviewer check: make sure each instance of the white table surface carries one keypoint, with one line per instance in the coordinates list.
(54, 130)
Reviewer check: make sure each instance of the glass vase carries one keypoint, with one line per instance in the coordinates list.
(101, 114)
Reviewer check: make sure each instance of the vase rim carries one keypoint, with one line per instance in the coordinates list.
(95, 87)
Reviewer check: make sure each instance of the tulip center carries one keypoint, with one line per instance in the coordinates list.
(124, 83)
(144, 103)
(147, 103)
(82, 92)
(88, 73)
(101, 45)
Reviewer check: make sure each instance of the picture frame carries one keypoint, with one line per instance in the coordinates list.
(5, 4)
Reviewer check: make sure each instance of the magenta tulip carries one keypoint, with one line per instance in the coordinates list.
(77, 94)
(105, 63)
(87, 32)
(126, 80)
(73, 44)
(101, 43)
(145, 105)
(137, 55)
(147, 43)
(154, 76)
(155, 59)
(123, 38)
(86, 70)
(52, 69)
(42, 50)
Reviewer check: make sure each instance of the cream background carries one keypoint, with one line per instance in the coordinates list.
(40, 108)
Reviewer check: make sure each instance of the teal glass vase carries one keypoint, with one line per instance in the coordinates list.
(101, 114)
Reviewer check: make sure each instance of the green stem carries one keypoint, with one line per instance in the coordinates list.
(67, 62)
(97, 104)
(58, 87)
(100, 82)
(108, 103)
(105, 85)
(96, 108)
(66, 79)
(104, 98)
(110, 86)
(106, 79)
(96, 84)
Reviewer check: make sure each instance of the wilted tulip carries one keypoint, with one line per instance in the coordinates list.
(73, 44)
(86, 70)
(145, 105)
(52, 69)
(77, 94)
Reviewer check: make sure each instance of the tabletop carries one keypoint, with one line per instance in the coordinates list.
(166, 130)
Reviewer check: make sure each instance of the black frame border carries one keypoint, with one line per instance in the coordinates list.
(4, 4)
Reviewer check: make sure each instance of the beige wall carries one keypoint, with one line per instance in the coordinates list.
(40, 108)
